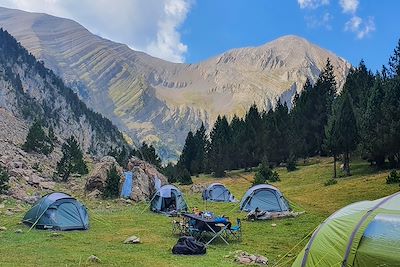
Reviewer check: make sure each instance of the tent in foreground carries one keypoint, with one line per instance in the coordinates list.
(218, 192)
(168, 199)
(264, 197)
(58, 211)
(361, 234)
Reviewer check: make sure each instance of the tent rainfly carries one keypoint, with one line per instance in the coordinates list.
(58, 211)
(265, 198)
(218, 192)
(168, 199)
(364, 233)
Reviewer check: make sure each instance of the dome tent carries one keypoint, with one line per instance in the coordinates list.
(168, 199)
(265, 198)
(365, 233)
(58, 211)
(217, 192)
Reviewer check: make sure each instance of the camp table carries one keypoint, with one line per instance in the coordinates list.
(210, 225)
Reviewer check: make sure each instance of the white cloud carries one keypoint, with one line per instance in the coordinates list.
(319, 21)
(151, 26)
(360, 27)
(312, 4)
(349, 6)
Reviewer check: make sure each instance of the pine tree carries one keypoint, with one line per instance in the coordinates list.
(188, 153)
(37, 140)
(201, 143)
(372, 129)
(238, 150)
(4, 178)
(111, 190)
(149, 154)
(394, 62)
(218, 153)
(72, 160)
(347, 126)
(183, 176)
(253, 129)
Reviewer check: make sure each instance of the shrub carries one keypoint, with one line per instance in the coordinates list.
(4, 177)
(331, 181)
(393, 178)
(265, 174)
(291, 164)
(183, 176)
(111, 190)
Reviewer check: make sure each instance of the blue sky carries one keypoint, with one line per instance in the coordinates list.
(213, 27)
(194, 30)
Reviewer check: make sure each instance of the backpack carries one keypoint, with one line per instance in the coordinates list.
(188, 245)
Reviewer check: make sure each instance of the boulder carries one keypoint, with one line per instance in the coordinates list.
(132, 240)
(144, 179)
(98, 176)
(93, 259)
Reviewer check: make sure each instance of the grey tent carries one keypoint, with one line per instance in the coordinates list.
(217, 192)
(265, 198)
(58, 211)
(168, 199)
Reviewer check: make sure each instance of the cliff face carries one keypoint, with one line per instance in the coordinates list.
(158, 101)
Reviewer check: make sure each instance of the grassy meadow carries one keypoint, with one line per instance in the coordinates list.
(113, 221)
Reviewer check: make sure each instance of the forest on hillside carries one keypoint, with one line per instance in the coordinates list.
(362, 120)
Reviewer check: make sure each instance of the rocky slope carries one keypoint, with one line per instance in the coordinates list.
(29, 91)
(158, 101)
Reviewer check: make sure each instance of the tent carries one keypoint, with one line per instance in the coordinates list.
(364, 233)
(217, 192)
(265, 198)
(168, 199)
(58, 211)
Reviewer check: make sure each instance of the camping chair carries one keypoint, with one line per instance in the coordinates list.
(193, 230)
(180, 227)
(236, 231)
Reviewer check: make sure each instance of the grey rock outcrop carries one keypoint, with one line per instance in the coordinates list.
(96, 179)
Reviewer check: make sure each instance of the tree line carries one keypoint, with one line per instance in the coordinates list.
(363, 119)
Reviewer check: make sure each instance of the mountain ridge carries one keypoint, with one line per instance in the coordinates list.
(158, 101)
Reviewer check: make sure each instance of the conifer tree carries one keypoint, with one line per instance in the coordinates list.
(4, 178)
(219, 147)
(72, 160)
(37, 140)
(111, 190)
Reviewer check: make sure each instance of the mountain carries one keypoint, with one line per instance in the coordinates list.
(30, 91)
(158, 101)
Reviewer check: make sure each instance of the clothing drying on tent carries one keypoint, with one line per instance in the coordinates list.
(365, 233)
(58, 211)
(218, 192)
(168, 199)
(264, 197)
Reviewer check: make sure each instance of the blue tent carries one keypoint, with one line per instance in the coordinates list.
(168, 199)
(217, 192)
(265, 198)
(58, 211)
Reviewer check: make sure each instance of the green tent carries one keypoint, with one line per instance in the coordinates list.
(365, 233)
(58, 211)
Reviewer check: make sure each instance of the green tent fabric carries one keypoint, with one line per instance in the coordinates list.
(365, 233)
(58, 211)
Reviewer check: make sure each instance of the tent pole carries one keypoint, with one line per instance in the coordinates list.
(148, 206)
(33, 225)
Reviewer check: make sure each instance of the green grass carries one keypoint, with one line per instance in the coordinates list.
(113, 221)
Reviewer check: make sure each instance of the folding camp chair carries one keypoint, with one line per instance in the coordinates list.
(236, 231)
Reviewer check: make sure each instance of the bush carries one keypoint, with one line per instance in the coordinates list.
(111, 190)
(265, 174)
(183, 176)
(393, 178)
(4, 177)
(170, 171)
(291, 165)
(331, 181)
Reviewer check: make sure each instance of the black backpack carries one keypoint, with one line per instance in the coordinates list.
(188, 245)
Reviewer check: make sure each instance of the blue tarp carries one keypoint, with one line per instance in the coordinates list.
(127, 186)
